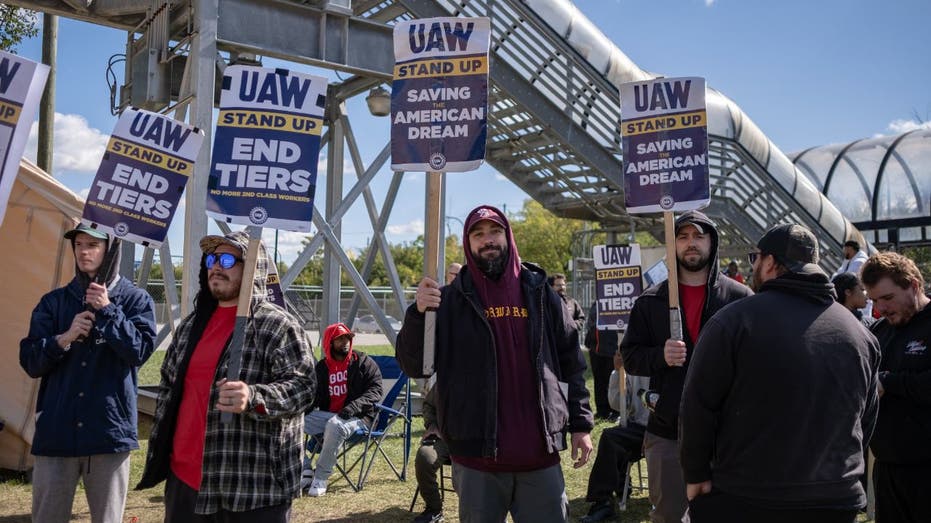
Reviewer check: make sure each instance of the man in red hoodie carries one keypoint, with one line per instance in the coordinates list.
(349, 387)
(510, 378)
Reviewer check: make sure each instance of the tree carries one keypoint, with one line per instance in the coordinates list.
(543, 238)
(16, 24)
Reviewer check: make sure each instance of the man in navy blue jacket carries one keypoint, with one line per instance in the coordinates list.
(86, 341)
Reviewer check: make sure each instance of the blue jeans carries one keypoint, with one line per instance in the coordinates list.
(335, 431)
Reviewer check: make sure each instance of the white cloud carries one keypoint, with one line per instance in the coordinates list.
(77, 145)
(412, 227)
(903, 126)
(709, 3)
(289, 243)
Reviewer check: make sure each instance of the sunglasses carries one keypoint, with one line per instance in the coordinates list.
(752, 256)
(225, 259)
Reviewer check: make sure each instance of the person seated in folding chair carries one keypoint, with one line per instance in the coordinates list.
(345, 404)
(619, 446)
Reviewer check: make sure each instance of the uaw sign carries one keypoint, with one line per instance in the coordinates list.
(617, 284)
(665, 140)
(265, 151)
(439, 96)
(144, 170)
(21, 84)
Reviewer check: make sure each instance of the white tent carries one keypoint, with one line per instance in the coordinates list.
(35, 261)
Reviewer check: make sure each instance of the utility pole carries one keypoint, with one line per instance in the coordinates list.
(47, 105)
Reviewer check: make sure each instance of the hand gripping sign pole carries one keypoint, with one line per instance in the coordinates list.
(439, 108)
(270, 122)
(665, 140)
(243, 308)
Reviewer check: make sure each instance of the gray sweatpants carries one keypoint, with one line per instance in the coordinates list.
(531, 497)
(54, 480)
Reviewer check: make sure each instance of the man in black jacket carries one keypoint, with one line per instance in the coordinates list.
(509, 378)
(780, 399)
(903, 457)
(648, 350)
(349, 387)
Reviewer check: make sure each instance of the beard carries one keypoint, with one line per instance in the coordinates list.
(696, 265)
(222, 290)
(757, 281)
(492, 267)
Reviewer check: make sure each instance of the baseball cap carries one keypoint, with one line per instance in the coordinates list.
(695, 219)
(86, 230)
(237, 239)
(793, 246)
(485, 212)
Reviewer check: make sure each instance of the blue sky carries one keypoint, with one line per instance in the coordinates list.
(808, 73)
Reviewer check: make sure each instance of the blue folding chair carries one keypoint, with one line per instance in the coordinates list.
(393, 407)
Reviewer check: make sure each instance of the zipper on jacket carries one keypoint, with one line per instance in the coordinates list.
(494, 357)
(539, 369)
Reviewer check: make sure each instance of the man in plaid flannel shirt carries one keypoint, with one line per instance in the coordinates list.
(249, 469)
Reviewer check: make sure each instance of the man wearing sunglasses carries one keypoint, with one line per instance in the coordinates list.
(781, 397)
(249, 469)
(86, 341)
(648, 350)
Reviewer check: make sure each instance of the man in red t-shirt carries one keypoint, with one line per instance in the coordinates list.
(249, 469)
(648, 350)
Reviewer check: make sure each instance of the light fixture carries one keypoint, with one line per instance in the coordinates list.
(379, 101)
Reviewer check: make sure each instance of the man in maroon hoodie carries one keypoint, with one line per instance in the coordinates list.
(509, 374)
(349, 386)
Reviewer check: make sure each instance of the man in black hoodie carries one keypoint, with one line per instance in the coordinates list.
(903, 457)
(648, 350)
(780, 399)
(509, 378)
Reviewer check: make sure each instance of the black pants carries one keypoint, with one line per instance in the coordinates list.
(601, 374)
(180, 500)
(617, 447)
(903, 493)
(719, 507)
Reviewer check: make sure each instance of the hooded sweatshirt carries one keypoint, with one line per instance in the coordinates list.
(520, 442)
(336, 369)
(469, 384)
(361, 379)
(780, 398)
(648, 330)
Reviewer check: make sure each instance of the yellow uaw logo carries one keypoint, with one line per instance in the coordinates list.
(621, 272)
(150, 156)
(270, 120)
(9, 113)
(672, 122)
(468, 65)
